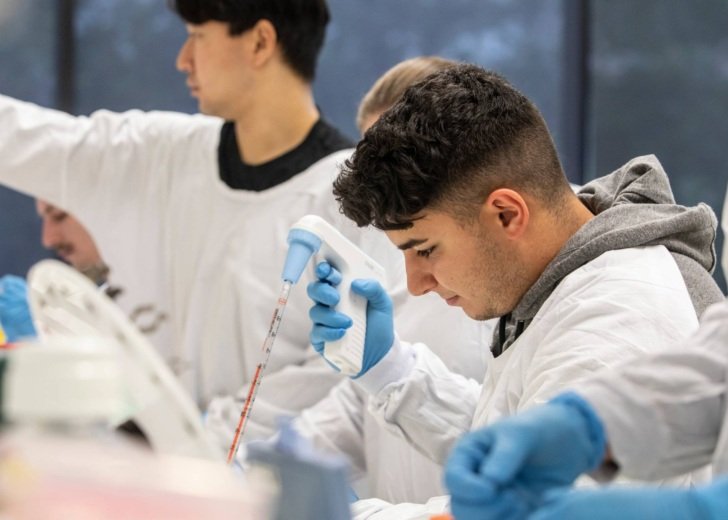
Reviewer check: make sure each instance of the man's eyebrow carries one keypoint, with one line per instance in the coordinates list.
(411, 243)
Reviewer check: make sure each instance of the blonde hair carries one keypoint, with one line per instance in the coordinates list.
(387, 90)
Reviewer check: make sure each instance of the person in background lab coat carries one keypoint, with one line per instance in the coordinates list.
(193, 211)
(62, 233)
(69, 239)
(463, 176)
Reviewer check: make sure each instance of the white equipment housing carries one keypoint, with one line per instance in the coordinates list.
(66, 304)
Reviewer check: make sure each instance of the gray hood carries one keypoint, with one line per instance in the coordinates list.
(633, 207)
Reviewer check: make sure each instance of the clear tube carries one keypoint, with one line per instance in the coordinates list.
(259, 369)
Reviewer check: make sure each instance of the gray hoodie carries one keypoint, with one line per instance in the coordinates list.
(633, 207)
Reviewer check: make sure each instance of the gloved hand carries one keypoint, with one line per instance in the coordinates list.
(638, 503)
(330, 325)
(504, 470)
(14, 310)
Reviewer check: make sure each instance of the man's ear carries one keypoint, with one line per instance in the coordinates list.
(507, 210)
(265, 42)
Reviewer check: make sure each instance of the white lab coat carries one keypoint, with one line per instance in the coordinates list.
(666, 414)
(147, 187)
(622, 304)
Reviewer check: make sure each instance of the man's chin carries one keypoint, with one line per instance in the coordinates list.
(208, 110)
(479, 315)
(473, 315)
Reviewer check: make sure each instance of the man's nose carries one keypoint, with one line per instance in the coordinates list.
(420, 280)
(184, 57)
(49, 235)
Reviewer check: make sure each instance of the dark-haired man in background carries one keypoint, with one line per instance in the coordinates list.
(193, 211)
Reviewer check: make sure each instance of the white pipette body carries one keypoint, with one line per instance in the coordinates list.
(312, 234)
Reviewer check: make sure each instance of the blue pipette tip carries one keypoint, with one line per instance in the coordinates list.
(302, 245)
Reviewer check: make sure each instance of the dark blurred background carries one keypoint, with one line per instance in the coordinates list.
(614, 79)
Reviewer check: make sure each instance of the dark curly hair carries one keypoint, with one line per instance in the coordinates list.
(300, 24)
(447, 144)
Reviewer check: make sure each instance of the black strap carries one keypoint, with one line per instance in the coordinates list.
(519, 329)
(502, 322)
(498, 347)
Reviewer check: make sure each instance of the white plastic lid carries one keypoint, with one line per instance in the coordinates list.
(63, 380)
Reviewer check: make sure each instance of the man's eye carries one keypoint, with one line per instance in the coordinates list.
(425, 252)
(59, 217)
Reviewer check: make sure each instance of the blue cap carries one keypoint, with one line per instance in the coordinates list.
(302, 245)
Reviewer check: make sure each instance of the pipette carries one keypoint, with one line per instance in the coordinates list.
(260, 368)
(312, 234)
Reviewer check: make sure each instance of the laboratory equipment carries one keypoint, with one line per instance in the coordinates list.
(59, 458)
(87, 348)
(311, 235)
(66, 304)
(314, 485)
(60, 477)
(259, 369)
(76, 382)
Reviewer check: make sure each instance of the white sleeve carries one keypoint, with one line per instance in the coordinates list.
(335, 425)
(282, 393)
(416, 396)
(376, 509)
(663, 413)
(97, 161)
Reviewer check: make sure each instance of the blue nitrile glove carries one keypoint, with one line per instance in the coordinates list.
(638, 503)
(504, 470)
(330, 325)
(14, 310)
